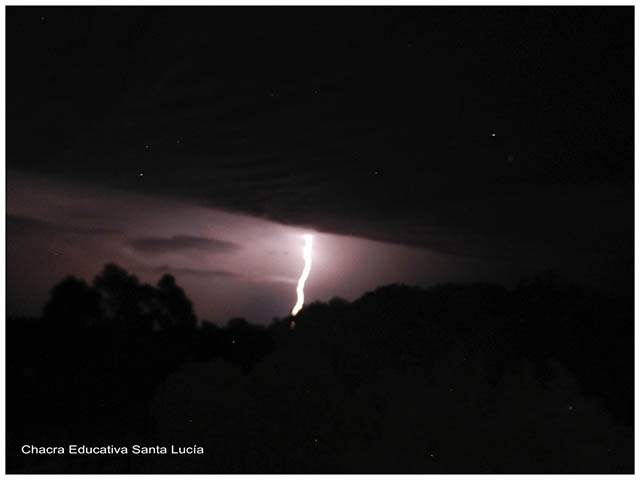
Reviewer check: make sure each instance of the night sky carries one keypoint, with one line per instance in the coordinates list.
(419, 145)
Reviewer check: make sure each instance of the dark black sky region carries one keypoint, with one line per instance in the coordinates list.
(457, 182)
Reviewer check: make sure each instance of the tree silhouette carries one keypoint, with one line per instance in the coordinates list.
(176, 311)
(453, 379)
(73, 305)
(120, 299)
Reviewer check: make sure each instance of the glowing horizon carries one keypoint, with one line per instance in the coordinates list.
(306, 252)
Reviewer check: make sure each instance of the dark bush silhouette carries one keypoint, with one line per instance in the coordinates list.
(73, 305)
(454, 379)
(246, 343)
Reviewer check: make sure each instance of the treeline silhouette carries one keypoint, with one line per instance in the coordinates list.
(452, 379)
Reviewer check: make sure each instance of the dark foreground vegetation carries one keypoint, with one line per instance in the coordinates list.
(453, 379)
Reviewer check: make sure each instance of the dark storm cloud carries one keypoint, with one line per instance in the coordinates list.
(210, 274)
(161, 270)
(179, 243)
(17, 224)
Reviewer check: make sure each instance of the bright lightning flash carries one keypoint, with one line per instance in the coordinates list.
(306, 252)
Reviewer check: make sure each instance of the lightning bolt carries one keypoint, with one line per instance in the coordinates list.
(306, 252)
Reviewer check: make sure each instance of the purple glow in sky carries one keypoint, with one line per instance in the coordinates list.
(228, 264)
